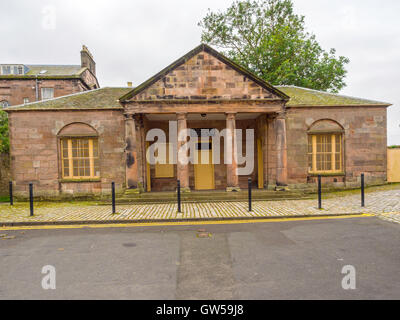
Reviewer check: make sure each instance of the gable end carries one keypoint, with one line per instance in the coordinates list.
(162, 76)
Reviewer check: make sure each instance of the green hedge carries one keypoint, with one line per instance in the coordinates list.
(4, 139)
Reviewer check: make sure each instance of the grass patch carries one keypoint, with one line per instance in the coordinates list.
(4, 198)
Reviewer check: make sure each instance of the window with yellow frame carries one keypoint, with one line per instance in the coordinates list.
(164, 169)
(80, 158)
(325, 153)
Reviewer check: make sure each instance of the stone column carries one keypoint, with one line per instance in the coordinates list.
(281, 149)
(131, 152)
(182, 162)
(232, 178)
(265, 147)
(141, 152)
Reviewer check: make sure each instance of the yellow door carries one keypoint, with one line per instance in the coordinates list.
(393, 168)
(260, 164)
(148, 178)
(204, 172)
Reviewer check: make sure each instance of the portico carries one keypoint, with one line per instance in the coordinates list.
(205, 90)
(270, 166)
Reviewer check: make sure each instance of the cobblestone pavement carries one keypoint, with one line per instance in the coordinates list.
(392, 217)
(385, 204)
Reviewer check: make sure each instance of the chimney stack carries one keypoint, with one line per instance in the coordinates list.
(129, 84)
(87, 60)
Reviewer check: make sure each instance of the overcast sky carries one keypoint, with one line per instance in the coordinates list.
(132, 40)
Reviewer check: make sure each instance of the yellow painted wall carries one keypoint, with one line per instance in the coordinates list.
(393, 165)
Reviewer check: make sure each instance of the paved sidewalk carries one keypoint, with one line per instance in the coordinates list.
(391, 217)
(384, 203)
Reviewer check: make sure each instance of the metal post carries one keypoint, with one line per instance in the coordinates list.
(11, 193)
(31, 198)
(362, 191)
(179, 196)
(319, 193)
(113, 196)
(250, 209)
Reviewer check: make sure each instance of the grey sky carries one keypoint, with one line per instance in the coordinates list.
(132, 40)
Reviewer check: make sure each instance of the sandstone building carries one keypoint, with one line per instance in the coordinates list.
(21, 84)
(80, 143)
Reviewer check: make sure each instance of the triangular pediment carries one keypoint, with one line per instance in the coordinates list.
(204, 74)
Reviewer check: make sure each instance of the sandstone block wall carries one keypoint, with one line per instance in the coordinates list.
(365, 141)
(14, 91)
(35, 151)
(204, 77)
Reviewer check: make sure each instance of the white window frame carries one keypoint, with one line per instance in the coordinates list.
(42, 93)
(12, 69)
(4, 104)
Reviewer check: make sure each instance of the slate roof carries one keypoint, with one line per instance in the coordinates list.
(53, 71)
(304, 97)
(103, 98)
(56, 70)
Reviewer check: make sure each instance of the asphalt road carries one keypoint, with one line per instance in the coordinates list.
(280, 260)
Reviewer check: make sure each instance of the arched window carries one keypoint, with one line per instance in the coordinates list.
(325, 147)
(4, 104)
(79, 148)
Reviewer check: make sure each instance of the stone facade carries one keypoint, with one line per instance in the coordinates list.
(202, 90)
(207, 84)
(64, 80)
(204, 77)
(365, 137)
(16, 90)
(35, 151)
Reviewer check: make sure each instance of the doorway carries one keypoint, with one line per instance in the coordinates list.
(204, 169)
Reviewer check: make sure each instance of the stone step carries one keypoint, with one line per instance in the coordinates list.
(165, 197)
(159, 201)
(195, 194)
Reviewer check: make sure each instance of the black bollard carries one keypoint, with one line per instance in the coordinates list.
(11, 193)
(319, 193)
(362, 191)
(179, 196)
(113, 196)
(31, 198)
(250, 209)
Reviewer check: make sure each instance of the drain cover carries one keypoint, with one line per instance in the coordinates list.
(129, 245)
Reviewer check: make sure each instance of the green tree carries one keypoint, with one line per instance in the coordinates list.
(268, 38)
(4, 140)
